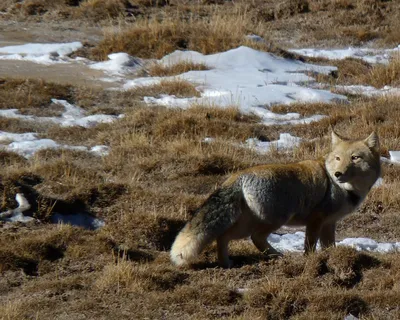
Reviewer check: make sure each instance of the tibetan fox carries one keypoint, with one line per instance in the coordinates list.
(257, 201)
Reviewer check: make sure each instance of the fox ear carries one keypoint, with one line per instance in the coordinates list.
(372, 141)
(335, 138)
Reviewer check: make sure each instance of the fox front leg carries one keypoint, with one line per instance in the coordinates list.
(327, 236)
(313, 231)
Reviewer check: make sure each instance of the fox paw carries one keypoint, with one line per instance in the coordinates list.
(227, 264)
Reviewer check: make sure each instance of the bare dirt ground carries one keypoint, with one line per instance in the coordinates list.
(19, 33)
(158, 171)
(64, 74)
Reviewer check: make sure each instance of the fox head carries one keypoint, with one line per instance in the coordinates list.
(354, 164)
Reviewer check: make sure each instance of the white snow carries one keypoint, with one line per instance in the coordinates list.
(27, 148)
(394, 156)
(100, 150)
(294, 242)
(369, 91)
(83, 220)
(350, 317)
(27, 144)
(366, 54)
(79, 220)
(16, 215)
(119, 64)
(250, 79)
(72, 116)
(378, 183)
(286, 141)
(7, 137)
(44, 53)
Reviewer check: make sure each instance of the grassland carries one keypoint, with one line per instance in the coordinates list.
(160, 169)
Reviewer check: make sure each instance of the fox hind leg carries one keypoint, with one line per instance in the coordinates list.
(223, 252)
(259, 239)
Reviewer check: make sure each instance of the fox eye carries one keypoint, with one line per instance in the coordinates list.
(337, 158)
(355, 157)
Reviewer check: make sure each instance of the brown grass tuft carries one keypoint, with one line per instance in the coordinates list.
(208, 294)
(27, 94)
(210, 35)
(160, 70)
(382, 75)
(278, 300)
(357, 72)
(177, 87)
(12, 310)
(128, 276)
(347, 265)
(103, 9)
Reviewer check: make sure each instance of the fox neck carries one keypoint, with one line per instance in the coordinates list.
(358, 187)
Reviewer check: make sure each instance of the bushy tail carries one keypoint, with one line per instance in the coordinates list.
(187, 245)
(218, 213)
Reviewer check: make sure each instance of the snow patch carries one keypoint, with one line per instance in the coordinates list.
(17, 214)
(369, 90)
(80, 220)
(44, 53)
(7, 137)
(72, 116)
(394, 156)
(294, 242)
(247, 78)
(119, 64)
(85, 221)
(27, 144)
(286, 141)
(368, 55)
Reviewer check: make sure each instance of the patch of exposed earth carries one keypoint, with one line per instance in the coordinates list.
(69, 73)
(13, 33)
(19, 32)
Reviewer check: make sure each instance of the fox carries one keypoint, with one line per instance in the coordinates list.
(258, 200)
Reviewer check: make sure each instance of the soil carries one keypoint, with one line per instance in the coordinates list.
(12, 33)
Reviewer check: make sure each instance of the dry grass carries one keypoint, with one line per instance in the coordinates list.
(304, 22)
(103, 9)
(161, 70)
(157, 173)
(28, 94)
(12, 310)
(357, 72)
(160, 169)
(382, 75)
(176, 87)
(206, 35)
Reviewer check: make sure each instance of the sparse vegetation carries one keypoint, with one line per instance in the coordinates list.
(161, 70)
(353, 71)
(161, 171)
(177, 87)
(160, 168)
(385, 75)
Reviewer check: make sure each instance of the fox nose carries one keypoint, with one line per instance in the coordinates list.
(338, 174)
